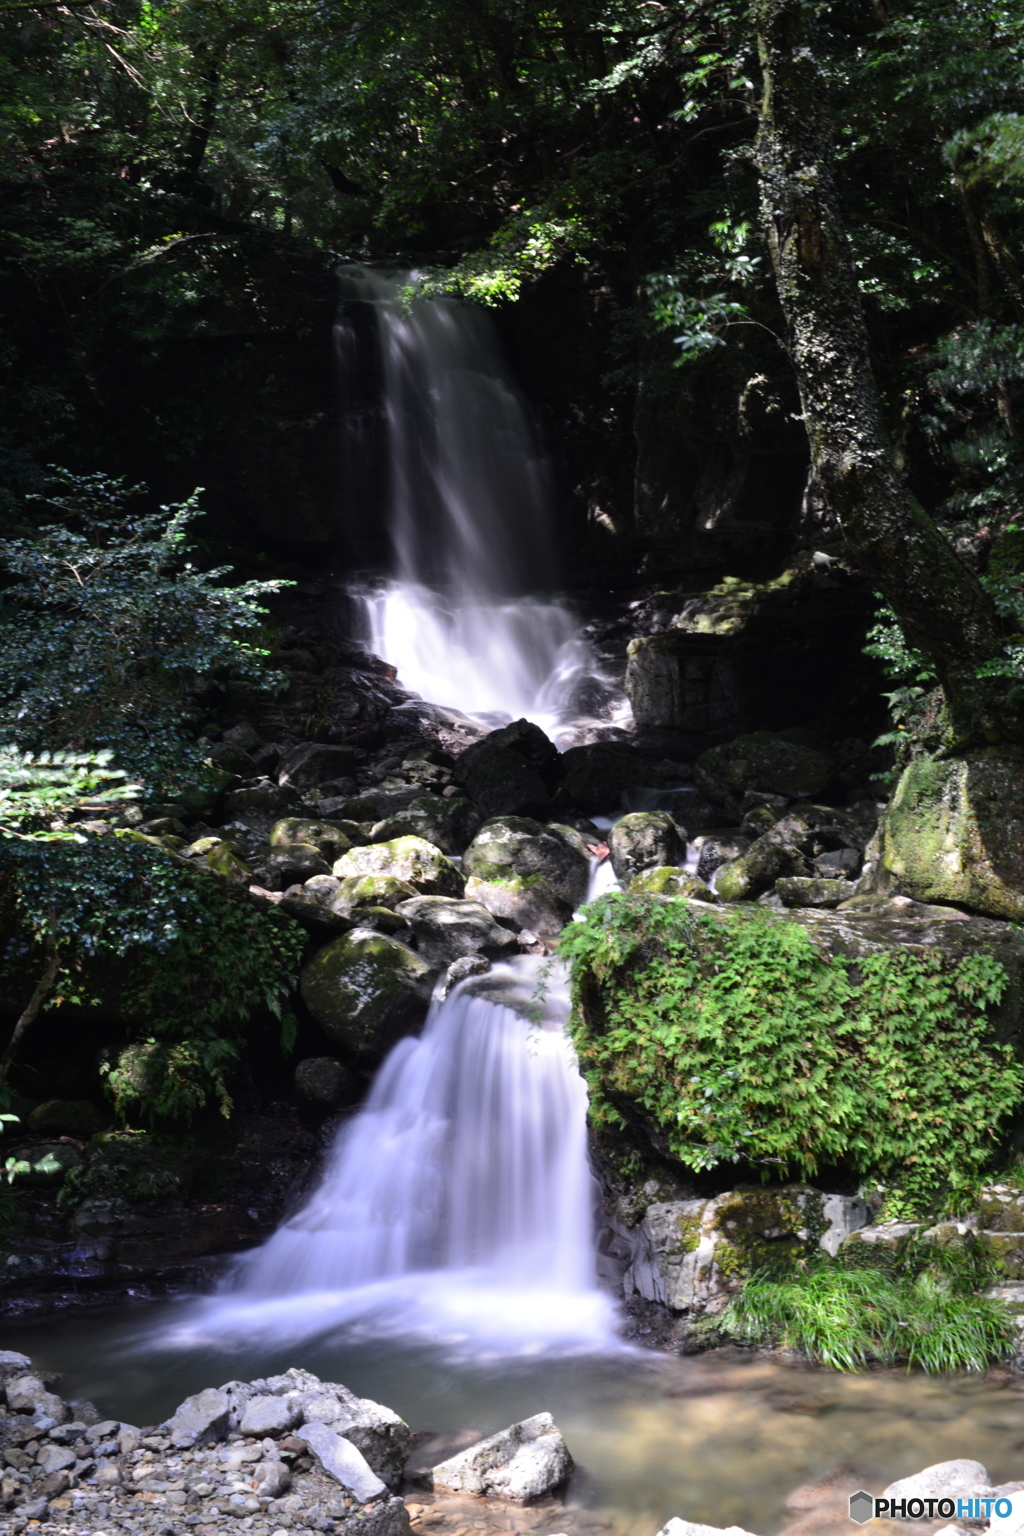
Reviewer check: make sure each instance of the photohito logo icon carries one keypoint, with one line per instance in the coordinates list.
(862, 1506)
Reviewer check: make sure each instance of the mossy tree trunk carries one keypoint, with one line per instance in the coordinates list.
(941, 606)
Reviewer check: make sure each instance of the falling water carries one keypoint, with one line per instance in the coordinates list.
(457, 1204)
(468, 520)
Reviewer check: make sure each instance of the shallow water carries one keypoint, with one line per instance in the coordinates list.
(722, 1438)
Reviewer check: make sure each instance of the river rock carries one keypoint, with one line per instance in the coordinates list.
(532, 875)
(944, 1479)
(322, 1084)
(507, 773)
(293, 864)
(29, 1394)
(404, 858)
(329, 838)
(200, 1420)
(807, 891)
(669, 880)
(520, 1463)
(224, 860)
(359, 893)
(688, 806)
(774, 853)
(313, 763)
(450, 823)
(339, 1457)
(644, 840)
(762, 761)
(377, 1432)
(595, 776)
(718, 849)
(447, 929)
(366, 991)
(263, 801)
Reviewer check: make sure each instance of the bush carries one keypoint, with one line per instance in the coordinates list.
(109, 633)
(734, 1037)
(194, 959)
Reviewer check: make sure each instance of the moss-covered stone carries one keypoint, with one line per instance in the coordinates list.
(532, 875)
(954, 831)
(366, 991)
(783, 763)
(361, 891)
(644, 840)
(330, 838)
(806, 891)
(669, 880)
(448, 822)
(411, 859)
(774, 853)
(224, 860)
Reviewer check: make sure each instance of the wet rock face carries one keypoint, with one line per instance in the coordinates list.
(687, 682)
(404, 858)
(366, 991)
(529, 875)
(446, 930)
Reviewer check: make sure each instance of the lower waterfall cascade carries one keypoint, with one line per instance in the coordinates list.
(457, 1204)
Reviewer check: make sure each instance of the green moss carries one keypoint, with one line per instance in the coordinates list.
(730, 1035)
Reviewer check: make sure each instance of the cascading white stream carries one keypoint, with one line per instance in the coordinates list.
(468, 519)
(458, 1204)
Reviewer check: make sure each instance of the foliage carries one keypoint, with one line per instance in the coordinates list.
(736, 1038)
(110, 632)
(187, 959)
(45, 787)
(130, 1165)
(845, 1317)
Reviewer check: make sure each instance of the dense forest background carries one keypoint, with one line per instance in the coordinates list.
(180, 181)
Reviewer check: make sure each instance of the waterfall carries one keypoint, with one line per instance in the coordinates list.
(458, 1204)
(463, 615)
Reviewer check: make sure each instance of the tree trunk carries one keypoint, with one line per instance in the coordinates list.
(941, 606)
(35, 1002)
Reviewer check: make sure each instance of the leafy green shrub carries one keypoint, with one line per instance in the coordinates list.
(845, 1317)
(35, 787)
(193, 958)
(109, 633)
(735, 1037)
(133, 1166)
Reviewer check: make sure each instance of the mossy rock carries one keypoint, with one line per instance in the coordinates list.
(67, 1117)
(644, 840)
(670, 880)
(776, 763)
(411, 859)
(523, 872)
(954, 832)
(224, 860)
(359, 891)
(772, 854)
(292, 864)
(449, 822)
(806, 891)
(366, 991)
(330, 838)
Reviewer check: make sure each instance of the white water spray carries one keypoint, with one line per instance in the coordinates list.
(458, 1204)
(468, 519)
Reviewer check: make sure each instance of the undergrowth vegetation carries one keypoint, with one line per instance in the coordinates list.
(918, 1307)
(735, 1037)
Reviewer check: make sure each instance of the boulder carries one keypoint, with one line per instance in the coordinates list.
(404, 858)
(690, 1255)
(688, 806)
(667, 880)
(278, 868)
(339, 1457)
(806, 891)
(532, 875)
(377, 1432)
(774, 853)
(264, 800)
(322, 1085)
(233, 759)
(718, 850)
(942, 1480)
(366, 991)
(329, 838)
(447, 929)
(644, 840)
(596, 776)
(224, 860)
(67, 1117)
(449, 822)
(954, 832)
(200, 1420)
(360, 893)
(762, 761)
(508, 771)
(520, 1463)
(29, 1394)
(269, 1415)
(312, 763)
(685, 682)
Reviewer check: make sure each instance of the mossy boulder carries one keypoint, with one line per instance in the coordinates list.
(774, 853)
(224, 859)
(295, 863)
(669, 880)
(446, 930)
(807, 891)
(528, 874)
(596, 776)
(366, 991)
(330, 838)
(954, 832)
(362, 891)
(644, 840)
(67, 1117)
(449, 822)
(783, 763)
(685, 682)
(410, 858)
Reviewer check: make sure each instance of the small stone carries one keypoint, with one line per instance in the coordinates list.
(269, 1416)
(54, 1458)
(340, 1458)
(200, 1419)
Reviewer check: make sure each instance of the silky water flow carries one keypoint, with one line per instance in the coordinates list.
(457, 1205)
(465, 614)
